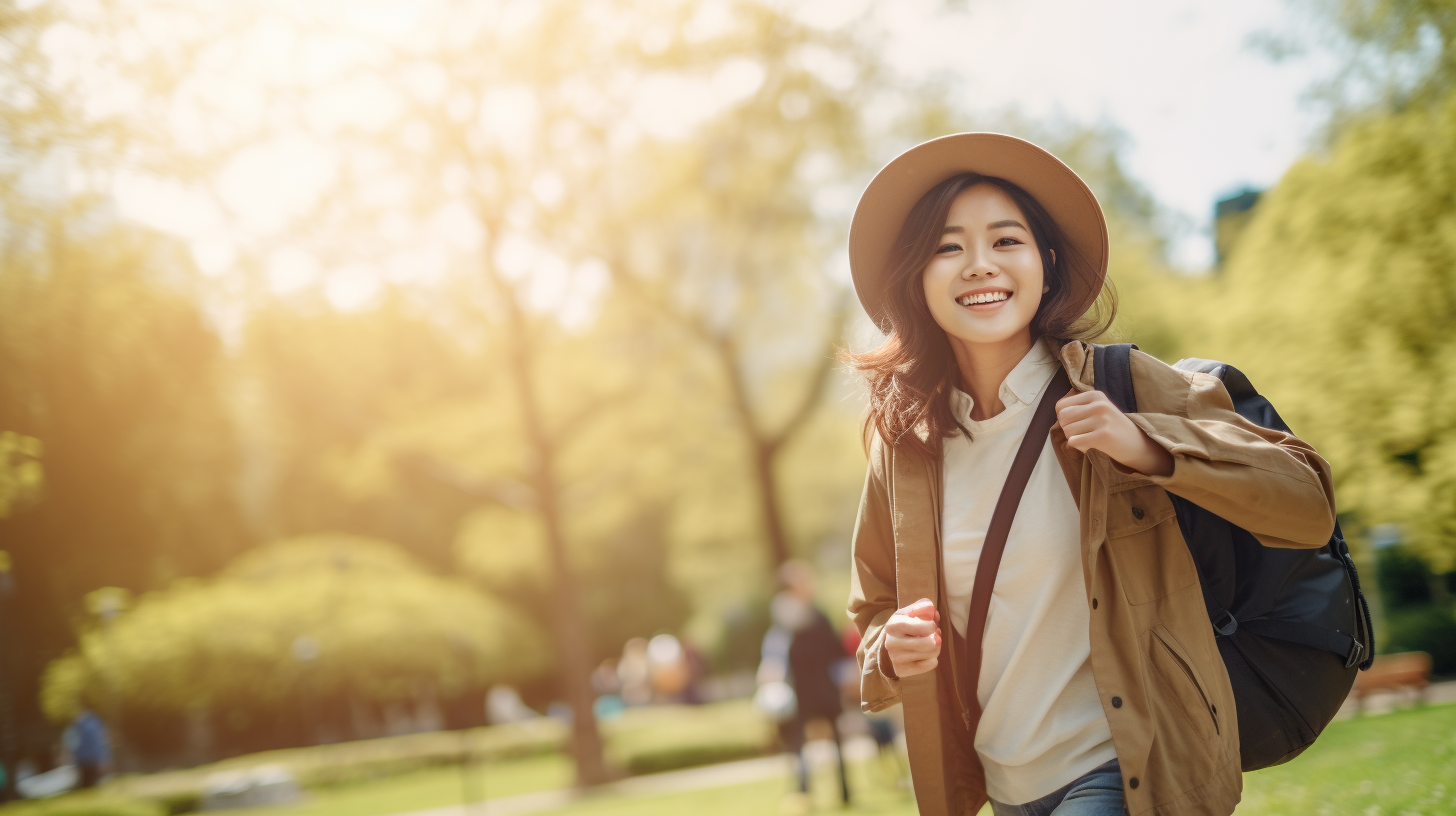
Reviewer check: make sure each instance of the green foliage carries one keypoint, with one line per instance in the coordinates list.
(1402, 49)
(107, 361)
(664, 738)
(1429, 628)
(1405, 579)
(21, 474)
(326, 617)
(1339, 302)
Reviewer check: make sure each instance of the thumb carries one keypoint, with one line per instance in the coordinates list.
(923, 609)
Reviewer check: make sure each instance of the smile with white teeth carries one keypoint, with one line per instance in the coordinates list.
(984, 297)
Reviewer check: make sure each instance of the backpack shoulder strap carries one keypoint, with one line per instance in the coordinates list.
(1112, 374)
(996, 533)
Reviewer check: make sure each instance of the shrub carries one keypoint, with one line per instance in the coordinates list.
(664, 738)
(1430, 629)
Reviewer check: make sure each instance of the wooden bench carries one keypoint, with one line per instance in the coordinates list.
(1394, 672)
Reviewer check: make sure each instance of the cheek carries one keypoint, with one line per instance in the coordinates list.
(933, 281)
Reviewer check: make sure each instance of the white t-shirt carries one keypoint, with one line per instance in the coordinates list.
(1042, 724)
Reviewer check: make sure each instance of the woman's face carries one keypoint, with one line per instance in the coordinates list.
(984, 283)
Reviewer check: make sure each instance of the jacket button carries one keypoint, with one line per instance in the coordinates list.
(1094, 603)
(1137, 513)
(1133, 782)
(1117, 702)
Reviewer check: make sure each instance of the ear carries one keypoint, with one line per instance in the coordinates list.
(1054, 255)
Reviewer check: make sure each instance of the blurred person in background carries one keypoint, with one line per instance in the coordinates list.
(982, 257)
(634, 671)
(89, 747)
(668, 668)
(803, 652)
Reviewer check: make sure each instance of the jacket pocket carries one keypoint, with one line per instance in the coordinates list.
(1148, 550)
(1186, 691)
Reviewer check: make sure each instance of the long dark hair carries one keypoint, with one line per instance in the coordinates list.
(911, 373)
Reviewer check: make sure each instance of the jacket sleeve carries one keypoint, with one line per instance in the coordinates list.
(1271, 483)
(872, 598)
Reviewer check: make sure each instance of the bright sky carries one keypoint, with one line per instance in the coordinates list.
(1204, 112)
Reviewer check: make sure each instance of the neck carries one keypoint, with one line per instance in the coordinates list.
(983, 367)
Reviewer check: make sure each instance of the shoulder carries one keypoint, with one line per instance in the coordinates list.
(1164, 389)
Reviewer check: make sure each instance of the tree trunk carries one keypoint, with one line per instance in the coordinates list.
(568, 626)
(765, 454)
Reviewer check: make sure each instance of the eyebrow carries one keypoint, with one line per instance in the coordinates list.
(1010, 222)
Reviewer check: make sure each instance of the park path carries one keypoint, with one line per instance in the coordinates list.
(753, 770)
(690, 779)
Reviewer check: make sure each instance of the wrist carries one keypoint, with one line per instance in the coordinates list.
(1151, 458)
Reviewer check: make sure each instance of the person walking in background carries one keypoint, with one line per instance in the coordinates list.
(90, 748)
(803, 652)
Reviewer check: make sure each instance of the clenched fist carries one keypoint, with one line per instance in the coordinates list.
(912, 638)
(1090, 420)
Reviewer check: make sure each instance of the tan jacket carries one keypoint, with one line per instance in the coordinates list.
(1162, 683)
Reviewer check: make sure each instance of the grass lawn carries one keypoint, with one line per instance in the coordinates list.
(1399, 764)
(434, 787)
(1393, 764)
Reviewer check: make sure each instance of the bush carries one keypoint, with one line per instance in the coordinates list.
(1430, 629)
(664, 738)
(327, 616)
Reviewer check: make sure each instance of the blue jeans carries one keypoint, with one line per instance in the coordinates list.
(1095, 793)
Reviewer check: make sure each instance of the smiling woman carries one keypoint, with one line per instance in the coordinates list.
(1079, 674)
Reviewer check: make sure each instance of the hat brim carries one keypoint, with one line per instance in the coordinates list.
(887, 201)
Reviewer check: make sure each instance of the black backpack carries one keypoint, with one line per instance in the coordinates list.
(1292, 625)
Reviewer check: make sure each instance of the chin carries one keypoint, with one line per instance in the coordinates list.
(988, 335)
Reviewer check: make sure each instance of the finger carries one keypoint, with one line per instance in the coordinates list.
(910, 627)
(1081, 427)
(915, 648)
(1079, 398)
(1072, 413)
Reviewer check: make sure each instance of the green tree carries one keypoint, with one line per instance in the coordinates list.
(1338, 301)
(106, 359)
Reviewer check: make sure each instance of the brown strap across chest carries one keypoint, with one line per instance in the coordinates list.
(995, 544)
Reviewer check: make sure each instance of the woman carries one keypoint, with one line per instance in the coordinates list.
(1100, 688)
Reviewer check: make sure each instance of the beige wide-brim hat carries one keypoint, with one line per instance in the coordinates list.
(887, 201)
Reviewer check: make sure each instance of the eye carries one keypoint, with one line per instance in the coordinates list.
(944, 248)
(1006, 241)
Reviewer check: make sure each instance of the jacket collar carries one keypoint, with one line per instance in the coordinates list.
(1022, 384)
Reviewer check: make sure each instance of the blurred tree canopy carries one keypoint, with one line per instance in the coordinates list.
(108, 362)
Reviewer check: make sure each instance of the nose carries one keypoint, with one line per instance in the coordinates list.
(978, 266)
